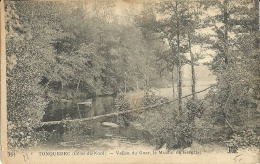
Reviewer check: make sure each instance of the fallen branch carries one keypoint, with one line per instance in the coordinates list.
(122, 112)
(196, 92)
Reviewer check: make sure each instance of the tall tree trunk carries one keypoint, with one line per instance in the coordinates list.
(255, 23)
(180, 89)
(226, 15)
(226, 57)
(179, 62)
(256, 16)
(125, 82)
(255, 29)
(193, 77)
(173, 91)
(173, 65)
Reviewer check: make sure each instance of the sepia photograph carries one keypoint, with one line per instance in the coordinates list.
(130, 81)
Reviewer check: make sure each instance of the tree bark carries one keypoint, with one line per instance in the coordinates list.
(226, 15)
(125, 82)
(173, 90)
(256, 15)
(256, 26)
(179, 62)
(193, 77)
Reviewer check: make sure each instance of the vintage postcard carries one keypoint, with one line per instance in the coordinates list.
(129, 81)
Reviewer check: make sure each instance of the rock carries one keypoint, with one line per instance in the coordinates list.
(110, 124)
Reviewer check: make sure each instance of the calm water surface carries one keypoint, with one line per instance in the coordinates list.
(95, 136)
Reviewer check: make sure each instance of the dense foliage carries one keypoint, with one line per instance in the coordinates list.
(75, 50)
(54, 55)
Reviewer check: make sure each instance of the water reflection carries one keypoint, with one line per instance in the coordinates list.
(66, 108)
(100, 106)
(94, 135)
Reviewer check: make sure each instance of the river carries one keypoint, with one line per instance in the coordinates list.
(95, 135)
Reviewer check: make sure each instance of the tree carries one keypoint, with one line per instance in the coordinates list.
(233, 35)
(25, 100)
(172, 29)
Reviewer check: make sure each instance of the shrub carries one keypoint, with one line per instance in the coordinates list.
(195, 108)
(121, 102)
(150, 100)
(244, 139)
(22, 136)
(168, 129)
